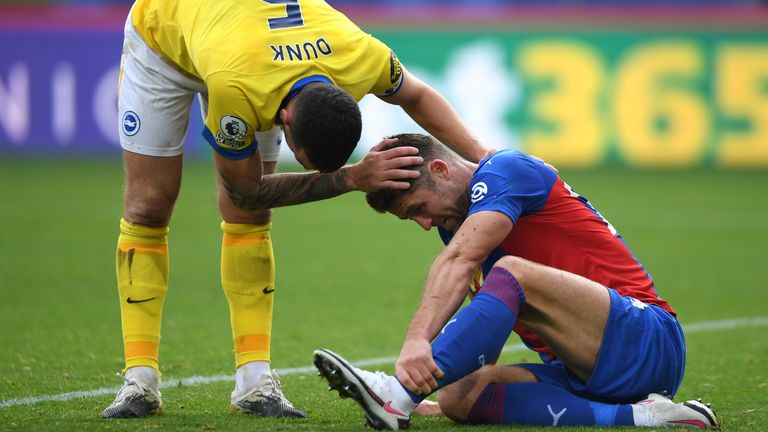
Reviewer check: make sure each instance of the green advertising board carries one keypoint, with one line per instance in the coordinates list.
(581, 98)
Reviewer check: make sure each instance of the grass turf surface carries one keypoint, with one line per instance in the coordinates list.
(347, 279)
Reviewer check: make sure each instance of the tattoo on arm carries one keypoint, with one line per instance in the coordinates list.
(279, 190)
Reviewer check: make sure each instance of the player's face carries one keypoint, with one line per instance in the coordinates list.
(298, 153)
(438, 207)
(302, 158)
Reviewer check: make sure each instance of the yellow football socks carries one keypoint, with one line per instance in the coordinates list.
(142, 281)
(248, 278)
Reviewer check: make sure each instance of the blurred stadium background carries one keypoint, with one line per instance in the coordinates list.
(675, 83)
(656, 110)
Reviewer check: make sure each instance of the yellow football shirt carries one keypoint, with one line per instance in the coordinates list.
(251, 53)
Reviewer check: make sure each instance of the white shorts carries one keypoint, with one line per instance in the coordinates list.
(155, 99)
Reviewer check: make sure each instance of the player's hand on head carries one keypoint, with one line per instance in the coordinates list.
(415, 367)
(384, 169)
(385, 142)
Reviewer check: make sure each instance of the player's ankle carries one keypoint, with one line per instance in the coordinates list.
(145, 375)
(402, 397)
(249, 374)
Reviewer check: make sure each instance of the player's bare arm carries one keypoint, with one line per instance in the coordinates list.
(278, 190)
(443, 294)
(432, 111)
(377, 170)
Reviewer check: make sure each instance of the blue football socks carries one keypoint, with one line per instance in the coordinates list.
(540, 404)
(476, 334)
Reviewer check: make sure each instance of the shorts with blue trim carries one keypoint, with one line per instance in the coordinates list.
(643, 351)
(155, 99)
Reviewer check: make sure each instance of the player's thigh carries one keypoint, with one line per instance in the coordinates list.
(643, 352)
(154, 100)
(152, 185)
(457, 400)
(567, 311)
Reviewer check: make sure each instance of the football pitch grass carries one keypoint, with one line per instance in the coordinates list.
(348, 279)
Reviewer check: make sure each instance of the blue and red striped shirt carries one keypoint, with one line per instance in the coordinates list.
(556, 227)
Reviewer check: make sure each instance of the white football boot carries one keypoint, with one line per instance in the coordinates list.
(659, 411)
(138, 397)
(373, 391)
(265, 398)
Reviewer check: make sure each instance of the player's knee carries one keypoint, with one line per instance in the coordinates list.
(263, 217)
(150, 210)
(516, 266)
(507, 278)
(456, 400)
(234, 215)
(454, 404)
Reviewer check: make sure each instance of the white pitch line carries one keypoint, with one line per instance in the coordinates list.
(726, 324)
(703, 326)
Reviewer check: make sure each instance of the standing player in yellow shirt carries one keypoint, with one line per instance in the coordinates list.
(259, 68)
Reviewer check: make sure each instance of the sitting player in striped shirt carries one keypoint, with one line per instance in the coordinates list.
(557, 274)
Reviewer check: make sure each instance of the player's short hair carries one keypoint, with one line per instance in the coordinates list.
(429, 149)
(326, 123)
